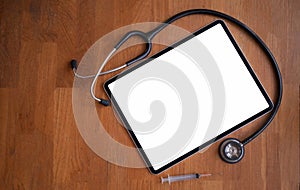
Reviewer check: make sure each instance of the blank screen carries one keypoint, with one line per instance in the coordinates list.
(174, 103)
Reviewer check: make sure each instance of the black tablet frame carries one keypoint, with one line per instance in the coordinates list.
(131, 133)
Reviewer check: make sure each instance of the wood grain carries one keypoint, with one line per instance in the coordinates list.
(40, 146)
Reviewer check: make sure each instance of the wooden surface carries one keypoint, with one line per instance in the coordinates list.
(40, 146)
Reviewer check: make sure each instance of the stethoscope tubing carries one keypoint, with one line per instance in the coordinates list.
(147, 37)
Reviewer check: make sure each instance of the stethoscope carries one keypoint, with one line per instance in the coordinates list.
(231, 150)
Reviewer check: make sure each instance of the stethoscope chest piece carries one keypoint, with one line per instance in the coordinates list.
(231, 150)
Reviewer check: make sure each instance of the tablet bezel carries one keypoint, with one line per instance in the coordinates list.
(131, 133)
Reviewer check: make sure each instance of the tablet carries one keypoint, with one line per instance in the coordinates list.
(187, 96)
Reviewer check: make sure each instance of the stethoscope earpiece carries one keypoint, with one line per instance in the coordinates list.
(231, 150)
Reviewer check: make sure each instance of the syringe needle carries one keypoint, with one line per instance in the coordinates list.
(171, 179)
(204, 175)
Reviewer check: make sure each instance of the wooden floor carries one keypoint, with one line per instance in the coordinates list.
(40, 146)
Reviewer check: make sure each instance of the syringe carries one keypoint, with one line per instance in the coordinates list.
(171, 179)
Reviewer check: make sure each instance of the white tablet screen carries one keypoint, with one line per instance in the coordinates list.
(188, 95)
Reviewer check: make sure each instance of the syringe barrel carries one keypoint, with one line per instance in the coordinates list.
(182, 177)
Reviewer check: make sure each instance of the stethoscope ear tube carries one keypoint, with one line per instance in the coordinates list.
(142, 35)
